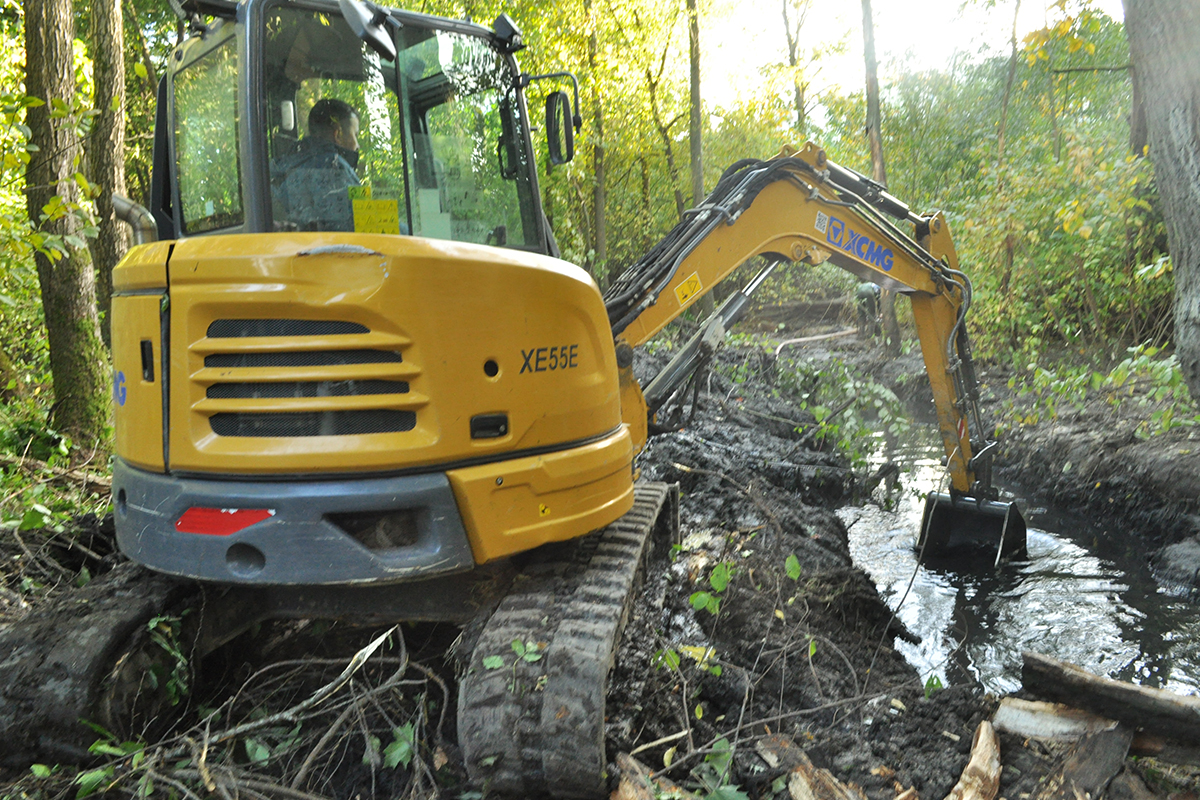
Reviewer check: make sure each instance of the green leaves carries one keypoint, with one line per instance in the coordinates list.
(704, 601)
(528, 652)
(493, 662)
(721, 575)
(91, 781)
(791, 566)
(402, 747)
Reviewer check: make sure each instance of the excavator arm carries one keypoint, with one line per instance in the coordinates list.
(799, 206)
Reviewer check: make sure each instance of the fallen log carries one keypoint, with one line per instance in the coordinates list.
(1161, 713)
(1086, 771)
(981, 779)
(1034, 719)
(1054, 721)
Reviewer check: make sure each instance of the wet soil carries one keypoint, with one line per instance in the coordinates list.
(755, 623)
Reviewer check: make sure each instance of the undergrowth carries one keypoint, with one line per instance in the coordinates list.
(1147, 385)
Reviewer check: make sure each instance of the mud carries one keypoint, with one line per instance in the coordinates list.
(797, 641)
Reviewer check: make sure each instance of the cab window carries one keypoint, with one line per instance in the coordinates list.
(206, 141)
(437, 149)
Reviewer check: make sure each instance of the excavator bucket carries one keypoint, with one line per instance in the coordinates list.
(953, 526)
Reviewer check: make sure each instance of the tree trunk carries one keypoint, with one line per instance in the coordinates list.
(1008, 84)
(107, 148)
(77, 361)
(695, 121)
(664, 133)
(792, 31)
(705, 305)
(891, 327)
(599, 187)
(1162, 45)
(874, 136)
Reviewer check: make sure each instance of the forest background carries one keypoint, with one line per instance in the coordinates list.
(1026, 144)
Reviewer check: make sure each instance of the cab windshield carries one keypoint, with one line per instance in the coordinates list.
(429, 145)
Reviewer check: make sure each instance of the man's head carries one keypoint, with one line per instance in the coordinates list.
(335, 120)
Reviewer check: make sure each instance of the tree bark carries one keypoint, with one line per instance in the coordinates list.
(891, 327)
(1156, 711)
(792, 30)
(599, 177)
(706, 304)
(695, 121)
(1008, 84)
(664, 133)
(874, 136)
(107, 149)
(77, 361)
(1162, 46)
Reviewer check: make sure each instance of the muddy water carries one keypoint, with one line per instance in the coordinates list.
(1084, 595)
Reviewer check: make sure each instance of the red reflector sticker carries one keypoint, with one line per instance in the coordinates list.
(220, 521)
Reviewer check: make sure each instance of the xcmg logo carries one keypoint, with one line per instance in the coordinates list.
(837, 234)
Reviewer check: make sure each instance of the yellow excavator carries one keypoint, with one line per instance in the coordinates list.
(388, 398)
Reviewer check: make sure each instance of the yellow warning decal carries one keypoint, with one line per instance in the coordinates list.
(543, 510)
(690, 287)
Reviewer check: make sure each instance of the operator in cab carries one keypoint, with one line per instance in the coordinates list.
(310, 188)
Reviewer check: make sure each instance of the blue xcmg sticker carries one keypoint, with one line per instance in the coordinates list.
(119, 388)
(840, 236)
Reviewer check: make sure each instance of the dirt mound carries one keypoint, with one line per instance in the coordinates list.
(759, 622)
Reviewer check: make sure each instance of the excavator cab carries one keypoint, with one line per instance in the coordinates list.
(442, 145)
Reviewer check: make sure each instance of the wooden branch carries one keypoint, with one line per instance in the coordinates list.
(1121, 68)
(981, 779)
(1156, 711)
(637, 783)
(78, 476)
(805, 781)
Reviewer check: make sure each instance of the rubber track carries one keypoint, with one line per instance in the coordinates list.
(532, 729)
(54, 661)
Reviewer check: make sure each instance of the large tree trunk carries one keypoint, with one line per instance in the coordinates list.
(77, 360)
(891, 327)
(1162, 46)
(599, 187)
(874, 135)
(107, 148)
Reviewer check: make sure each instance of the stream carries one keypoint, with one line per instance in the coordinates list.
(1085, 594)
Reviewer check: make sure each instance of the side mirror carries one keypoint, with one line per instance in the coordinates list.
(560, 134)
(368, 21)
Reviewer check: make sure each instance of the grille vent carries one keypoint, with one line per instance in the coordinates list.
(306, 355)
(312, 358)
(312, 423)
(307, 389)
(244, 328)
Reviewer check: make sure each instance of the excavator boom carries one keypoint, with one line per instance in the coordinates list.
(800, 206)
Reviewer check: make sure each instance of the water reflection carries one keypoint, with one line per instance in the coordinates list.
(1085, 595)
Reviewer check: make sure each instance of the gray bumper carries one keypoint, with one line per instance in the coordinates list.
(297, 544)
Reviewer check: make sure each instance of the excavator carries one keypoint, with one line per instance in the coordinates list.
(400, 403)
